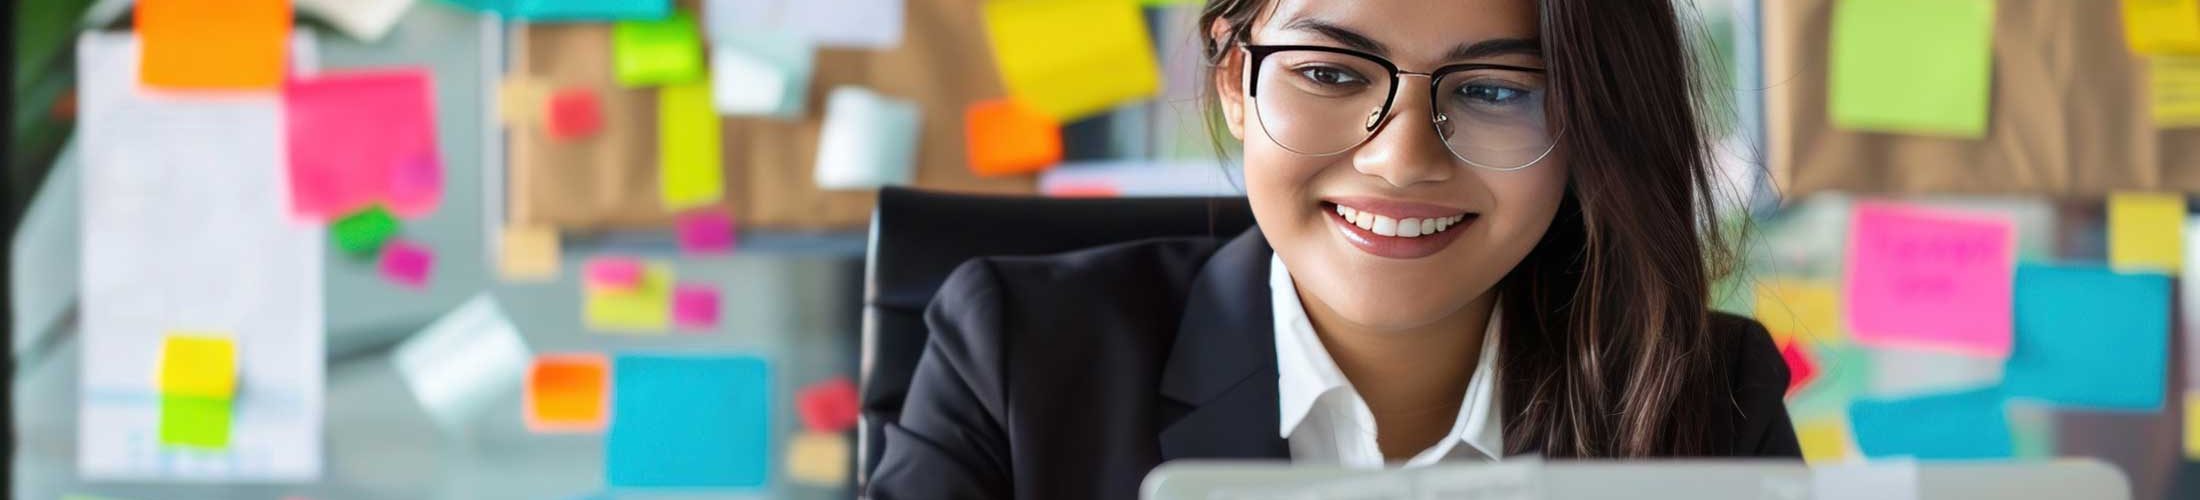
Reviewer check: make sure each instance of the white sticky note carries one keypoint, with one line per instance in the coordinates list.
(1878, 481)
(868, 140)
(1902, 372)
(856, 24)
(458, 365)
(366, 20)
(761, 74)
(184, 228)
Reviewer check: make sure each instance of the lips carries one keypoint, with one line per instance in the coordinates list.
(1397, 230)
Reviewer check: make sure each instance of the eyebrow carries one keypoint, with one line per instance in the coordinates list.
(1466, 51)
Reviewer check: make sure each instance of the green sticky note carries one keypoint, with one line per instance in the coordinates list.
(363, 232)
(196, 422)
(1912, 66)
(689, 171)
(657, 52)
(646, 308)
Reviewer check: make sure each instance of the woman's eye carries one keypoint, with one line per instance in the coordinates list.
(1491, 94)
(1326, 75)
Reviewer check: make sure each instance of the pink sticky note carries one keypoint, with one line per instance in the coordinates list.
(407, 264)
(574, 114)
(706, 231)
(828, 406)
(695, 306)
(613, 273)
(1934, 279)
(359, 138)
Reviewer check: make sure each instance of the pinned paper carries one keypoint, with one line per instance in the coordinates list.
(568, 393)
(528, 252)
(212, 44)
(1824, 441)
(855, 24)
(194, 421)
(2090, 338)
(1791, 308)
(1802, 366)
(1959, 425)
(613, 273)
(828, 406)
(690, 172)
(647, 307)
(1929, 278)
(868, 141)
(1912, 67)
(365, 231)
(1072, 59)
(2175, 83)
(362, 138)
(762, 73)
(198, 365)
(458, 365)
(819, 458)
(366, 20)
(657, 52)
(574, 113)
(706, 232)
(2162, 26)
(689, 421)
(1007, 138)
(695, 307)
(519, 101)
(586, 10)
(2145, 232)
(407, 264)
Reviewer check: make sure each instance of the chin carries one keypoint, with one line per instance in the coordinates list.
(1395, 311)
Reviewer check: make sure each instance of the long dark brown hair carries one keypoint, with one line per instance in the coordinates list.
(1608, 347)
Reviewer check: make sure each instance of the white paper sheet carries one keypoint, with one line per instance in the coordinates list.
(366, 20)
(457, 366)
(185, 228)
(858, 24)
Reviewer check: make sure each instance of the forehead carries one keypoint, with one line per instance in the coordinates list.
(1413, 32)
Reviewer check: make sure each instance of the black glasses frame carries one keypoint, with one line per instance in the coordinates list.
(1257, 54)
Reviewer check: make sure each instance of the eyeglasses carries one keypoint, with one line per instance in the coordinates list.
(1321, 101)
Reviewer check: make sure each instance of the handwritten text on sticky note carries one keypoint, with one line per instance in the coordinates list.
(1930, 278)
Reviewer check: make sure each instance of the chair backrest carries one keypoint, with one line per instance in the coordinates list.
(918, 237)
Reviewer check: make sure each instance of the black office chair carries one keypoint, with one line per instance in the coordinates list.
(918, 237)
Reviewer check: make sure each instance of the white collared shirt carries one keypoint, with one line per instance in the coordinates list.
(1324, 417)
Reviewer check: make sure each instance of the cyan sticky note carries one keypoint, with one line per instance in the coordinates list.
(689, 421)
(868, 141)
(761, 73)
(1955, 425)
(584, 10)
(2090, 337)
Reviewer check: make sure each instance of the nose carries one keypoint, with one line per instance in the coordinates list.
(1405, 150)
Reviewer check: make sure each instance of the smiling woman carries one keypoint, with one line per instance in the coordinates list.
(1482, 232)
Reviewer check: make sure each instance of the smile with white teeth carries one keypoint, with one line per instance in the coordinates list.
(1383, 225)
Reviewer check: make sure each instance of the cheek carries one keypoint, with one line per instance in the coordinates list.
(1279, 183)
(1528, 200)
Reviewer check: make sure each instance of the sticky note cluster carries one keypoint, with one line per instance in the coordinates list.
(197, 384)
(1930, 278)
(362, 138)
(868, 141)
(657, 51)
(1005, 138)
(1912, 67)
(213, 44)
(1072, 59)
(690, 171)
(624, 295)
(689, 421)
(761, 73)
(568, 393)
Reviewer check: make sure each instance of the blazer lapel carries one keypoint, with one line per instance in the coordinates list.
(1222, 370)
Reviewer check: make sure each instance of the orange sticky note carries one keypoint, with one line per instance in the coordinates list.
(568, 393)
(212, 44)
(1008, 138)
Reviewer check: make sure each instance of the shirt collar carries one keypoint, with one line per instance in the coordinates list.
(1306, 372)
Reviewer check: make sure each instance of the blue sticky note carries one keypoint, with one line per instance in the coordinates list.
(689, 421)
(572, 10)
(2089, 337)
(1955, 425)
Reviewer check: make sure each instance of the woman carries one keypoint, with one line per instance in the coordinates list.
(1482, 232)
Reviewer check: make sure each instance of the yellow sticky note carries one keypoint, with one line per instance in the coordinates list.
(1072, 58)
(528, 252)
(2192, 425)
(689, 171)
(2175, 83)
(645, 308)
(2146, 232)
(818, 458)
(1824, 441)
(2162, 26)
(518, 100)
(1800, 308)
(198, 365)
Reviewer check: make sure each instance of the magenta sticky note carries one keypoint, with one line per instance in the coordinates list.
(358, 138)
(1927, 278)
(695, 306)
(613, 273)
(706, 231)
(408, 264)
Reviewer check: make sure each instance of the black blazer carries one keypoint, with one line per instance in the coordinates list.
(1070, 376)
